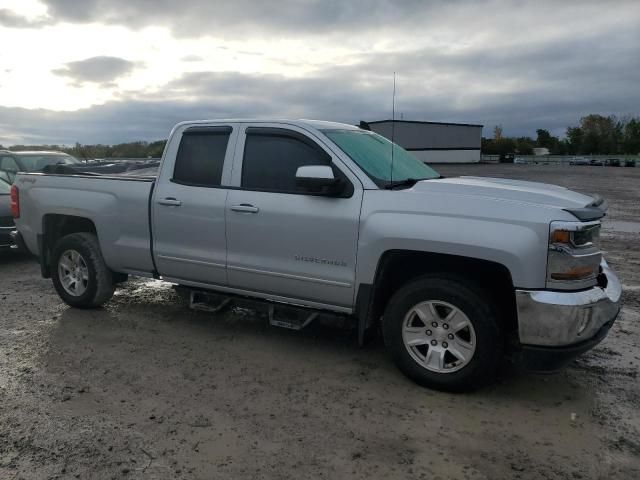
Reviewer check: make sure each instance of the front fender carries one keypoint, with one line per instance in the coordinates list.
(520, 248)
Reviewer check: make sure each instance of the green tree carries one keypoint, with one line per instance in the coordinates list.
(575, 137)
(524, 145)
(601, 135)
(631, 137)
(156, 148)
(544, 139)
(497, 132)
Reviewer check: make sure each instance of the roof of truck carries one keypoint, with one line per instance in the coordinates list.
(317, 124)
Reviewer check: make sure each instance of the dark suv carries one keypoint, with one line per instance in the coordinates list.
(13, 162)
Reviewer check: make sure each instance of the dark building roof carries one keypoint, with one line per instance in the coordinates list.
(427, 123)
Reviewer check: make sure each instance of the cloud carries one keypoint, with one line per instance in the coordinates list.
(347, 94)
(10, 19)
(101, 69)
(524, 65)
(203, 17)
(442, 20)
(192, 58)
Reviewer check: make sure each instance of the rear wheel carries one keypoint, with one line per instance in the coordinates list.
(79, 273)
(444, 332)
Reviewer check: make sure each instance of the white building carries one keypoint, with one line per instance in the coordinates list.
(433, 142)
(540, 151)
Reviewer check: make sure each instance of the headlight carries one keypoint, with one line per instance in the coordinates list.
(583, 236)
(574, 255)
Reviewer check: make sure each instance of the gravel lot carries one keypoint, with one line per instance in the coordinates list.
(146, 388)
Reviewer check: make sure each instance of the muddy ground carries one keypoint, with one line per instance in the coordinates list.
(146, 388)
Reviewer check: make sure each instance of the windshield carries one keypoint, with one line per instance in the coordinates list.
(34, 163)
(372, 153)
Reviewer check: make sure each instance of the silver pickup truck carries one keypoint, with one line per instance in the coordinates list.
(324, 217)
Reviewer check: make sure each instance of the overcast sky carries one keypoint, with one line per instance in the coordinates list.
(111, 71)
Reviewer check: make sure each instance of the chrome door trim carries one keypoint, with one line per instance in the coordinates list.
(187, 260)
(291, 276)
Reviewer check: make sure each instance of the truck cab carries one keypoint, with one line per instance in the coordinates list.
(240, 187)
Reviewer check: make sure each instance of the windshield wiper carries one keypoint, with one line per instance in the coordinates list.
(408, 182)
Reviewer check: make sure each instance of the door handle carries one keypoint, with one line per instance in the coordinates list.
(170, 201)
(245, 208)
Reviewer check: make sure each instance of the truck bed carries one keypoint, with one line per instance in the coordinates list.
(116, 204)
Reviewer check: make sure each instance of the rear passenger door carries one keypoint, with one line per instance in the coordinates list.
(282, 240)
(189, 207)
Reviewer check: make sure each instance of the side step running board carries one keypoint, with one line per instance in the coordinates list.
(208, 302)
(290, 317)
(284, 316)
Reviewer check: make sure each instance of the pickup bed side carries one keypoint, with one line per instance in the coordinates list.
(116, 207)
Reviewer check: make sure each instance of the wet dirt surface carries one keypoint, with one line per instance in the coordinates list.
(146, 388)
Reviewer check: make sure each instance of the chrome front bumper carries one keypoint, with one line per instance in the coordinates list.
(564, 319)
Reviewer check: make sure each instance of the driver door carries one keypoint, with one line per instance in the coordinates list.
(284, 241)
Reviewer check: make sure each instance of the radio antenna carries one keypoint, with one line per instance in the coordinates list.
(393, 122)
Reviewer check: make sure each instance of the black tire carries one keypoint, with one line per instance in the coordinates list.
(100, 284)
(473, 302)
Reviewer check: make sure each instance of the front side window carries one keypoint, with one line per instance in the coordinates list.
(372, 153)
(200, 156)
(272, 157)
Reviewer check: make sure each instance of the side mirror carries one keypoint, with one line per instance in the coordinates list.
(317, 178)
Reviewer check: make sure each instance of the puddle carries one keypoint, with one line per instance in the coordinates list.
(621, 226)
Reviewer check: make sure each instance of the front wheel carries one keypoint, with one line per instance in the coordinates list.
(79, 273)
(444, 333)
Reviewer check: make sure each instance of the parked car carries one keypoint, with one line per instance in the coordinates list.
(612, 162)
(13, 162)
(579, 161)
(313, 218)
(629, 162)
(596, 162)
(6, 219)
(107, 166)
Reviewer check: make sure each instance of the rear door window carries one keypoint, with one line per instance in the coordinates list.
(201, 154)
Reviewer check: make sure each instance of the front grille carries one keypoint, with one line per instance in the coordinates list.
(6, 221)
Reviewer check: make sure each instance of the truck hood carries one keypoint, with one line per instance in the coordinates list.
(511, 190)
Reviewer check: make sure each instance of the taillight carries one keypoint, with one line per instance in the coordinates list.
(15, 202)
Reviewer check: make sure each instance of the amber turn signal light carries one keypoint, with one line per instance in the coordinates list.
(560, 236)
(575, 273)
